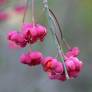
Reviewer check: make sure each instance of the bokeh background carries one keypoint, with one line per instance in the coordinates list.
(75, 16)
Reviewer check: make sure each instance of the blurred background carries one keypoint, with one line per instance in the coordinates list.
(75, 16)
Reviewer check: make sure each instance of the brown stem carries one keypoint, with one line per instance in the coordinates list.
(60, 29)
(33, 19)
(56, 22)
(25, 12)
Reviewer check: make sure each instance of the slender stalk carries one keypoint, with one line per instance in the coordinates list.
(52, 25)
(39, 17)
(33, 18)
(60, 29)
(66, 44)
(60, 50)
(57, 23)
(24, 15)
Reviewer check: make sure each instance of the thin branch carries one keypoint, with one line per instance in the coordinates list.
(60, 29)
(33, 18)
(52, 25)
(24, 15)
(56, 22)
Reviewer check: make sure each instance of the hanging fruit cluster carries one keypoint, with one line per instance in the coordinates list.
(68, 67)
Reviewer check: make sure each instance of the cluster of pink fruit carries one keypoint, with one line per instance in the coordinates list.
(52, 66)
(30, 34)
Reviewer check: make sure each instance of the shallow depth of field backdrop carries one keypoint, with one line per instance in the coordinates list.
(76, 16)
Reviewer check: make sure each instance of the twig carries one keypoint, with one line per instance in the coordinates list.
(25, 11)
(60, 29)
(33, 19)
(52, 25)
